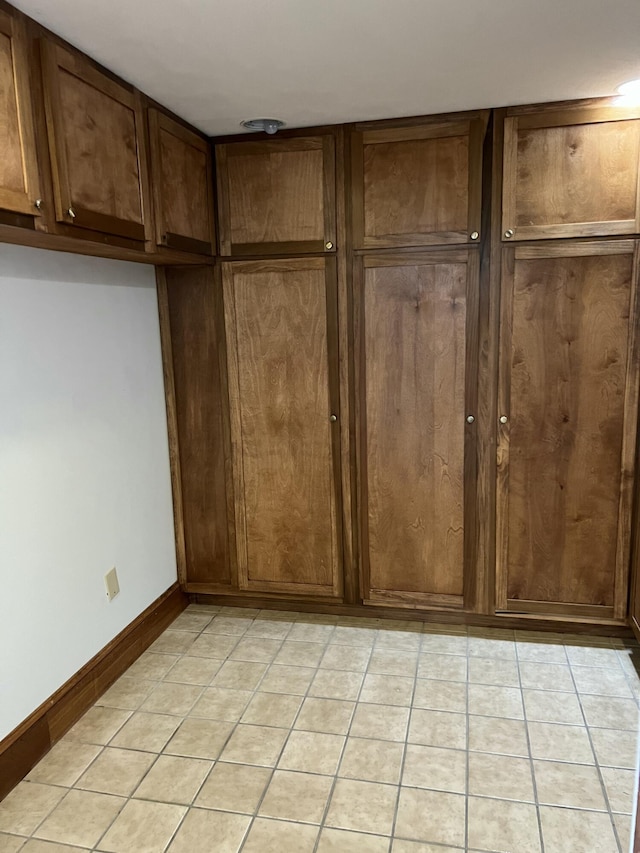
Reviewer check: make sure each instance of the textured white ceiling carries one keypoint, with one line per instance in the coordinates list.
(216, 62)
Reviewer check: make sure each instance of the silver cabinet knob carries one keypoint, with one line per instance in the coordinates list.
(38, 204)
(474, 235)
(508, 233)
(503, 419)
(333, 418)
(71, 213)
(470, 419)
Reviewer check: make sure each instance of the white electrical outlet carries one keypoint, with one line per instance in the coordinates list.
(111, 583)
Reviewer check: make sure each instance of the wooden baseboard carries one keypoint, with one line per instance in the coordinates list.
(25, 745)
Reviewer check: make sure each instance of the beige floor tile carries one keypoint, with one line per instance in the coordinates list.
(27, 805)
(199, 738)
(272, 709)
(218, 646)
(143, 827)
(440, 695)
(601, 681)
(173, 779)
(332, 716)
(546, 706)
(333, 684)
(447, 644)
(127, 693)
(372, 760)
(433, 767)
(296, 796)
(201, 827)
(492, 734)
(174, 642)
(312, 752)
(387, 690)
(146, 731)
(350, 658)
(234, 626)
(170, 698)
(560, 743)
(152, 666)
(256, 649)
(239, 675)
(408, 638)
(192, 670)
(81, 818)
(624, 825)
(384, 722)
(300, 654)
(574, 785)
(495, 701)
(347, 635)
(500, 673)
(234, 787)
(343, 841)
(620, 787)
(311, 632)
(539, 651)
(402, 846)
(438, 728)
(278, 836)
(431, 816)
(546, 676)
(64, 764)
(572, 831)
(11, 843)
(37, 846)
(615, 748)
(192, 621)
(385, 661)
(116, 771)
(504, 826)
(287, 679)
(255, 745)
(610, 713)
(442, 667)
(362, 806)
(500, 776)
(490, 647)
(218, 703)
(589, 656)
(98, 725)
(270, 629)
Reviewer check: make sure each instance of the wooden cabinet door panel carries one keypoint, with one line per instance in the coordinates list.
(277, 196)
(281, 327)
(417, 185)
(182, 186)
(417, 380)
(568, 386)
(19, 179)
(97, 146)
(572, 173)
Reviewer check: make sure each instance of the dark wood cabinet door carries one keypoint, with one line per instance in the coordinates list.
(96, 140)
(277, 196)
(416, 387)
(182, 186)
(19, 179)
(283, 375)
(419, 184)
(568, 394)
(571, 172)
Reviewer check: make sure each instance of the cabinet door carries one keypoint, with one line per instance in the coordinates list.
(571, 173)
(277, 196)
(417, 185)
(568, 409)
(182, 186)
(416, 387)
(283, 375)
(19, 181)
(98, 157)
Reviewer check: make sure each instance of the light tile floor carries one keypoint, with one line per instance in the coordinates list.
(268, 731)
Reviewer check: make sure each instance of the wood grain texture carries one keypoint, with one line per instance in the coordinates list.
(194, 314)
(282, 360)
(568, 354)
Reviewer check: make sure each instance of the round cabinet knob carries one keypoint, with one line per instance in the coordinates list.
(38, 204)
(328, 245)
(470, 419)
(71, 213)
(474, 235)
(333, 418)
(508, 233)
(503, 419)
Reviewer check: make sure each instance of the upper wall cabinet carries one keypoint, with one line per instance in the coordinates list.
(277, 196)
(571, 172)
(417, 184)
(182, 186)
(95, 128)
(19, 184)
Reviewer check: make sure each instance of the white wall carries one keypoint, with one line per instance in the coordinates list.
(84, 467)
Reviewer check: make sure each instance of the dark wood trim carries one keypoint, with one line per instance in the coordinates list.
(186, 244)
(25, 745)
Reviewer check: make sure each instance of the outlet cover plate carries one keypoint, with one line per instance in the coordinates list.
(111, 583)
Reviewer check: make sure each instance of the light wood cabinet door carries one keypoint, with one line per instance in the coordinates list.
(277, 196)
(281, 321)
(96, 140)
(417, 331)
(568, 394)
(19, 179)
(571, 172)
(182, 184)
(419, 184)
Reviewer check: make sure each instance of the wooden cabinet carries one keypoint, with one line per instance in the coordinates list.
(277, 196)
(417, 328)
(182, 184)
(417, 184)
(571, 172)
(568, 394)
(96, 142)
(19, 179)
(283, 378)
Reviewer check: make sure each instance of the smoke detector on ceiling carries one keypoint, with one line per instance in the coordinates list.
(268, 125)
